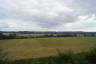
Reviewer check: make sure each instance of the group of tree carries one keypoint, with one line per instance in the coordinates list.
(14, 35)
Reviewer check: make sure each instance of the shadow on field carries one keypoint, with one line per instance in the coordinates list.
(62, 58)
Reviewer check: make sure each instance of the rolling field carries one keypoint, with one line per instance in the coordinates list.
(43, 47)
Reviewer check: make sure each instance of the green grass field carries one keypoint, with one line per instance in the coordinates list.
(43, 47)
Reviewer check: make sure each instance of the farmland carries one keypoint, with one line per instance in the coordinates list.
(44, 47)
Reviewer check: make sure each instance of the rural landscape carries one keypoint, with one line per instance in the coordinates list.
(47, 31)
(48, 47)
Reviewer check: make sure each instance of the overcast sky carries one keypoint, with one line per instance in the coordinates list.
(47, 15)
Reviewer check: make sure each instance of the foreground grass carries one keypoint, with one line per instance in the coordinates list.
(44, 47)
(68, 57)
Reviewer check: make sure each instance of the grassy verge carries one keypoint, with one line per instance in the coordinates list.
(62, 58)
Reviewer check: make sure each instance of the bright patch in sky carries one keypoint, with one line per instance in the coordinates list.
(47, 15)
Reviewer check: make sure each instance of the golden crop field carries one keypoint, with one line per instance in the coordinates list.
(44, 47)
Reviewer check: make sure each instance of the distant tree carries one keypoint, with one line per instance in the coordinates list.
(2, 36)
(12, 36)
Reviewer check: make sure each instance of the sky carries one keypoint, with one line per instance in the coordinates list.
(48, 15)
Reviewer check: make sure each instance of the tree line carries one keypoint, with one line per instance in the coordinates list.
(15, 35)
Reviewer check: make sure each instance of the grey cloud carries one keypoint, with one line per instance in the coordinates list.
(16, 9)
(62, 18)
(41, 20)
(84, 7)
(3, 26)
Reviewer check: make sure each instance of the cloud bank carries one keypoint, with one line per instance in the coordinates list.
(47, 15)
